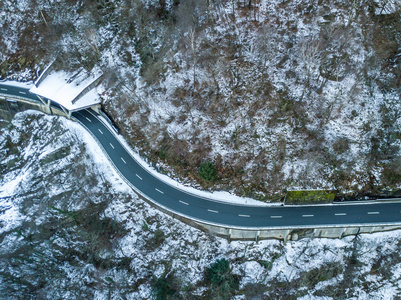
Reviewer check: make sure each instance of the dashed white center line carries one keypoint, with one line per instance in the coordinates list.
(161, 192)
(100, 131)
(123, 160)
(139, 176)
(23, 93)
(245, 216)
(111, 145)
(213, 211)
(88, 119)
(307, 216)
(276, 217)
(340, 214)
(3, 89)
(373, 213)
(183, 202)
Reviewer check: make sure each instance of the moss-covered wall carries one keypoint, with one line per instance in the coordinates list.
(309, 197)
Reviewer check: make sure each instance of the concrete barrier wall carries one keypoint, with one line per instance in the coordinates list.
(295, 233)
(10, 108)
(22, 104)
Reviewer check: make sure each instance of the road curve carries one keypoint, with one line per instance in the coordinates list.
(219, 213)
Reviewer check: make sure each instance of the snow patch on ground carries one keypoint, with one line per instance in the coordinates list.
(188, 251)
(10, 216)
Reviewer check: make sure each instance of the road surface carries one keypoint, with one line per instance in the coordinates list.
(219, 213)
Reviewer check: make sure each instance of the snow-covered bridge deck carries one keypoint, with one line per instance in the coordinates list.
(69, 91)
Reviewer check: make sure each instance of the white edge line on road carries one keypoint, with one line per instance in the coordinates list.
(161, 192)
(218, 224)
(276, 217)
(100, 131)
(340, 214)
(111, 145)
(307, 216)
(373, 213)
(139, 176)
(128, 150)
(183, 202)
(123, 160)
(213, 211)
(244, 216)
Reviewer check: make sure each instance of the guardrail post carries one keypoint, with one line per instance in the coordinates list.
(46, 105)
(41, 100)
(286, 233)
(48, 108)
(340, 236)
(96, 108)
(257, 235)
(66, 112)
(229, 234)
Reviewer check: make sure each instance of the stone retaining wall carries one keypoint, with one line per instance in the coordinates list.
(294, 233)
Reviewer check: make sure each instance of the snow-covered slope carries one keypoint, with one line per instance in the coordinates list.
(71, 229)
(277, 94)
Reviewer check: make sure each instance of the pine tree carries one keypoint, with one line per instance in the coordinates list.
(207, 171)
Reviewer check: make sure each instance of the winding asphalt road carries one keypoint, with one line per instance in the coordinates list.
(219, 213)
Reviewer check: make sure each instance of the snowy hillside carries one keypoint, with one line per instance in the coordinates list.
(276, 94)
(71, 229)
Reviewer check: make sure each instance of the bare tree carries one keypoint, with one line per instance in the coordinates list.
(92, 40)
(386, 6)
(194, 44)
